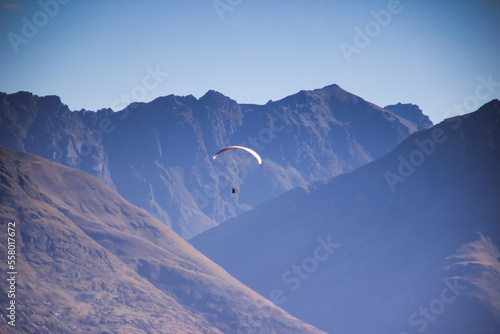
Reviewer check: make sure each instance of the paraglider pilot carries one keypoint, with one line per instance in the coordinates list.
(259, 159)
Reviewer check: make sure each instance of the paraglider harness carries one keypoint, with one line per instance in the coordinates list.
(234, 191)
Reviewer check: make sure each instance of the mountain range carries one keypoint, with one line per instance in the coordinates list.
(158, 155)
(360, 220)
(87, 261)
(408, 243)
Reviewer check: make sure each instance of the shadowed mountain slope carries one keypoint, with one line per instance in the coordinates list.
(87, 261)
(405, 244)
(158, 155)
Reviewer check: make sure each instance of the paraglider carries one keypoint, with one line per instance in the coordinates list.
(259, 159)
(252, 152)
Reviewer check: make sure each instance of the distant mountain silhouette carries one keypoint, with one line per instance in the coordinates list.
(408, 243)
(411, 112)
(87, 261)
(157, 155)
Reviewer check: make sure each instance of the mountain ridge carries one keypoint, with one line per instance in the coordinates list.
(412, 113)
(140, 151)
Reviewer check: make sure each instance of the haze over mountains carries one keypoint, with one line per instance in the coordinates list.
(408, 243)
(157, 155)
(87, 261)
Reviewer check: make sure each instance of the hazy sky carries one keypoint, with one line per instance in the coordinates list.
(93, 54)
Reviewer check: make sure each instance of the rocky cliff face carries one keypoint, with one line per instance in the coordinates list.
(46, 127)
(157, 155)
(88, 261)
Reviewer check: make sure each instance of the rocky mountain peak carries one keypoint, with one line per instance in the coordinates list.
(212, 96)
(411, 112)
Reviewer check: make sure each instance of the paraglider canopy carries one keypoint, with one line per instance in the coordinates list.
(259, 159)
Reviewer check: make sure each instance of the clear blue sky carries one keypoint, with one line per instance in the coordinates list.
(90, 53)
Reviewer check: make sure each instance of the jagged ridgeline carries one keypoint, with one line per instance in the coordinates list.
(157, 155)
